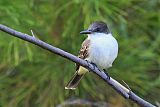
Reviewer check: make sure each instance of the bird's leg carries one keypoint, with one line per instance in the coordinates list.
(94, 65)
(108, 77)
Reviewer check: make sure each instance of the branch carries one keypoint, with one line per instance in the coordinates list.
(128, 94)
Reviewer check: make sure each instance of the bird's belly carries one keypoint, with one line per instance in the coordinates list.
(100, 58)
(103, 54)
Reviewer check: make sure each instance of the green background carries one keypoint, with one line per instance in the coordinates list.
(33, 77)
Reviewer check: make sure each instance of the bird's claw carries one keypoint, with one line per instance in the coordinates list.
(108, 77)
(94, 65)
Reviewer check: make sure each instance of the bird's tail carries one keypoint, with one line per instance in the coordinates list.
(73, 83)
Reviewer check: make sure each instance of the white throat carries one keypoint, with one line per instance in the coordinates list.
(98, 35)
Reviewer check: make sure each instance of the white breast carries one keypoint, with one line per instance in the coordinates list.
(103, 49)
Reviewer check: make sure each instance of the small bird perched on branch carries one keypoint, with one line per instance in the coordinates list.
(100, 48)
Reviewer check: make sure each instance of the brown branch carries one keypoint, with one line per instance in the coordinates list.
(112, 82)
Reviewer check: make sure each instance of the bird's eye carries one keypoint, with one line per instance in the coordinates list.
(97, 29)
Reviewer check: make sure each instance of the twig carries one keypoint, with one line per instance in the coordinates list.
(127, 85)
(33, 34)
(112, 82)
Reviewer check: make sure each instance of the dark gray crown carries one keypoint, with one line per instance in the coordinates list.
(99, 27)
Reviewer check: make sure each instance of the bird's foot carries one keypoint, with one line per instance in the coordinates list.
(108, 77)
(88, 63)
(94, 65)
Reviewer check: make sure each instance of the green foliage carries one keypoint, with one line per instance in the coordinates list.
(30, 76)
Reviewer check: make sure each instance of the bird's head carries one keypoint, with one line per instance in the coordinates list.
(96, 27)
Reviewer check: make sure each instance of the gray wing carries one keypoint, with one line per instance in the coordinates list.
(83, 53)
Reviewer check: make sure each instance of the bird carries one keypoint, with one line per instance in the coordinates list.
(100, 48)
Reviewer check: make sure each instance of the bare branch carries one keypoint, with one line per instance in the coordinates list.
(112, 82)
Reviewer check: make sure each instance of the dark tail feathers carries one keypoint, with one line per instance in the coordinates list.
(73, 83)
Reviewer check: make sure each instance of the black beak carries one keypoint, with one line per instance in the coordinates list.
(86, 32)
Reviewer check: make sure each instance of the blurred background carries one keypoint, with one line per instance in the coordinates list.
(33, 77)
